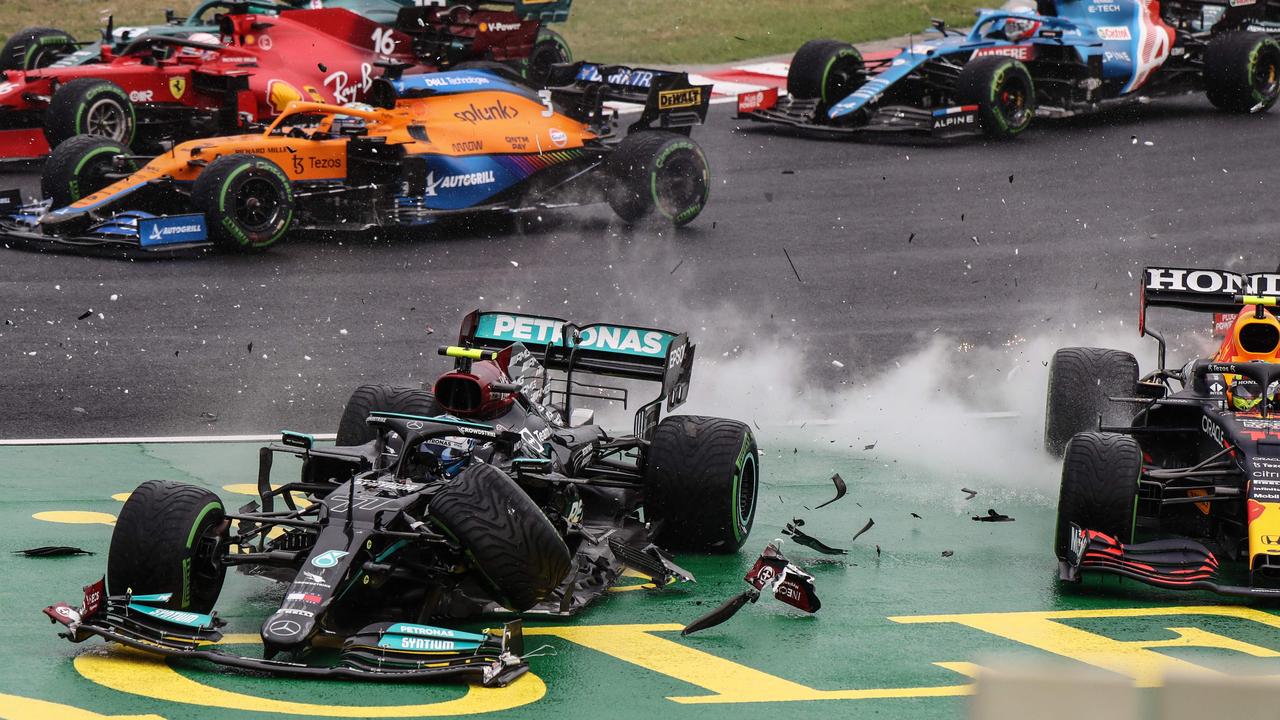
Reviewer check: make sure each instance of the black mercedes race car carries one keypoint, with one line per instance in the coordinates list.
(1188, 458)
(491, 496)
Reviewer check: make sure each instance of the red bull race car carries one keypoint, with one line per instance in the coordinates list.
(1173, 479)
(1069, 58)
(156, 89)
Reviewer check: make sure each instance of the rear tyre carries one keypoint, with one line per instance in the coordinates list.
(35, 47)
(510, 540)
(352, 428)
(168, 539)
(549, 49)
(658, 173)
(701, 483)
(247, 202)
(1002, 89)
(828, 70)
(1099, 489)
(86, 106)
(1242, 71)
(81, 167)
(1080, 382)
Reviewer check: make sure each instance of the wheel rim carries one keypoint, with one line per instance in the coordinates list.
(547, 54)
(1012, 100)
(746, 495)
(843, 77)
(681, 183)
(258, 204)
(1266, 76)
(94, 176)
(107, 119)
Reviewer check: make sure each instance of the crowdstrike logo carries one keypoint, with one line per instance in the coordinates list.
(483, 177)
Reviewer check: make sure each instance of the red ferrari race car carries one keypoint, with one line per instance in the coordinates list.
(162, 89)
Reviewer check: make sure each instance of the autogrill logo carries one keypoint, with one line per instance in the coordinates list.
(158, 233)
(496, 111)
(483, 177)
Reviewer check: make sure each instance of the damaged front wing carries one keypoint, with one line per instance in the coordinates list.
(805, 114)
(389, 652)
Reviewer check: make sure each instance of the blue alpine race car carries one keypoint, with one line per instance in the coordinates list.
(1068, 57)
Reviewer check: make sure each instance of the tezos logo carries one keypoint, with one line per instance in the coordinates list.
(328, 558)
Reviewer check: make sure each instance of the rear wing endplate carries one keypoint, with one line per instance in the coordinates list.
(671, 101)
(1216, 291)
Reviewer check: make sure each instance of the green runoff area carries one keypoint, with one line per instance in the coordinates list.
(899, 635)
(622, 31)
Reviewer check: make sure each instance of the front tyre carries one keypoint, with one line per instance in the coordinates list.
(352, 428)
(512, 543)
(548, 49)
(702, 477)
(247, 202)
(169, 539)
(35, 47)
(658, 174)
(1002, 89)
(1242, 71)
(80, 167)
(828, 70)
(86, 106)
(1082, 382)
(1099, 491)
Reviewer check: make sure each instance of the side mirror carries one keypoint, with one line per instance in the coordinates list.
(939, 24)
(582, 416)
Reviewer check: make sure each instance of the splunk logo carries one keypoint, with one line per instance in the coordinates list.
(496, 111)
(483, 177)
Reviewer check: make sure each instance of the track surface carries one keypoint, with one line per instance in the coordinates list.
(990, 257)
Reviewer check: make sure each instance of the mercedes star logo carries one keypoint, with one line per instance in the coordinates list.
(284, 627)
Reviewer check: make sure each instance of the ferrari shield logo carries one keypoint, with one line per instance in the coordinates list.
(177, 87)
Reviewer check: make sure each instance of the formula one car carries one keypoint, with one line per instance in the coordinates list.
(1189, 456)
(500, 506)
(167, 88)
(1072, 57)
(37, 47)
(441, 145)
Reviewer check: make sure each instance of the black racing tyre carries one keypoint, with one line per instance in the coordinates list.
(658, 173)
(246, 200)
(1099, 489)
(1080, 381)
(548, 49)
(828, 70)
(168, 539)
(80, 167)
(353, 430)
(35, 47)
(1242, 71)
(86, 106)
(510, 540)
(1002, 89)
(702, 478)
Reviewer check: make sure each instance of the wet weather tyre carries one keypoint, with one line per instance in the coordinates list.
(1099, 489)
(828, 70)
(510, 540)
(1080, 382)
(35, 47)
(352, 428)
(701, 483)
(168, 539)
(81, 167)
(1242, 71)
(658, 174)
(1002, 89)
(86, 106)
(247, 202)
(548, 49)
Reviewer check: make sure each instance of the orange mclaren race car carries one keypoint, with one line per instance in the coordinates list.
(435, 145)
(1189, 458)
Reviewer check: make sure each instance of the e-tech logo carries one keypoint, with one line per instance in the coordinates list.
(448, 182)
(496, 111)
(1117, 33)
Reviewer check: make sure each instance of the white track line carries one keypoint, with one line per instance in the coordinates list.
(772, 69)
(152, 440)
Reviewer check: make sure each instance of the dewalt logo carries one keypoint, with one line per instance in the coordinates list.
(673, 99)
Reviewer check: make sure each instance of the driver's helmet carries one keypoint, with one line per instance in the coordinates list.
(1250, 339)
(1019, 29)
(343, 122)
(200, 37)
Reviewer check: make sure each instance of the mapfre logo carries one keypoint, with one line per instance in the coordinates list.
(1017, 52)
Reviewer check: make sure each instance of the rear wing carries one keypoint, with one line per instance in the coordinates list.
(670, 101)
(611, 350)
(1210, 291)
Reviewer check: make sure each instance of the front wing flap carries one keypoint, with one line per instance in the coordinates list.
(130, 233)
